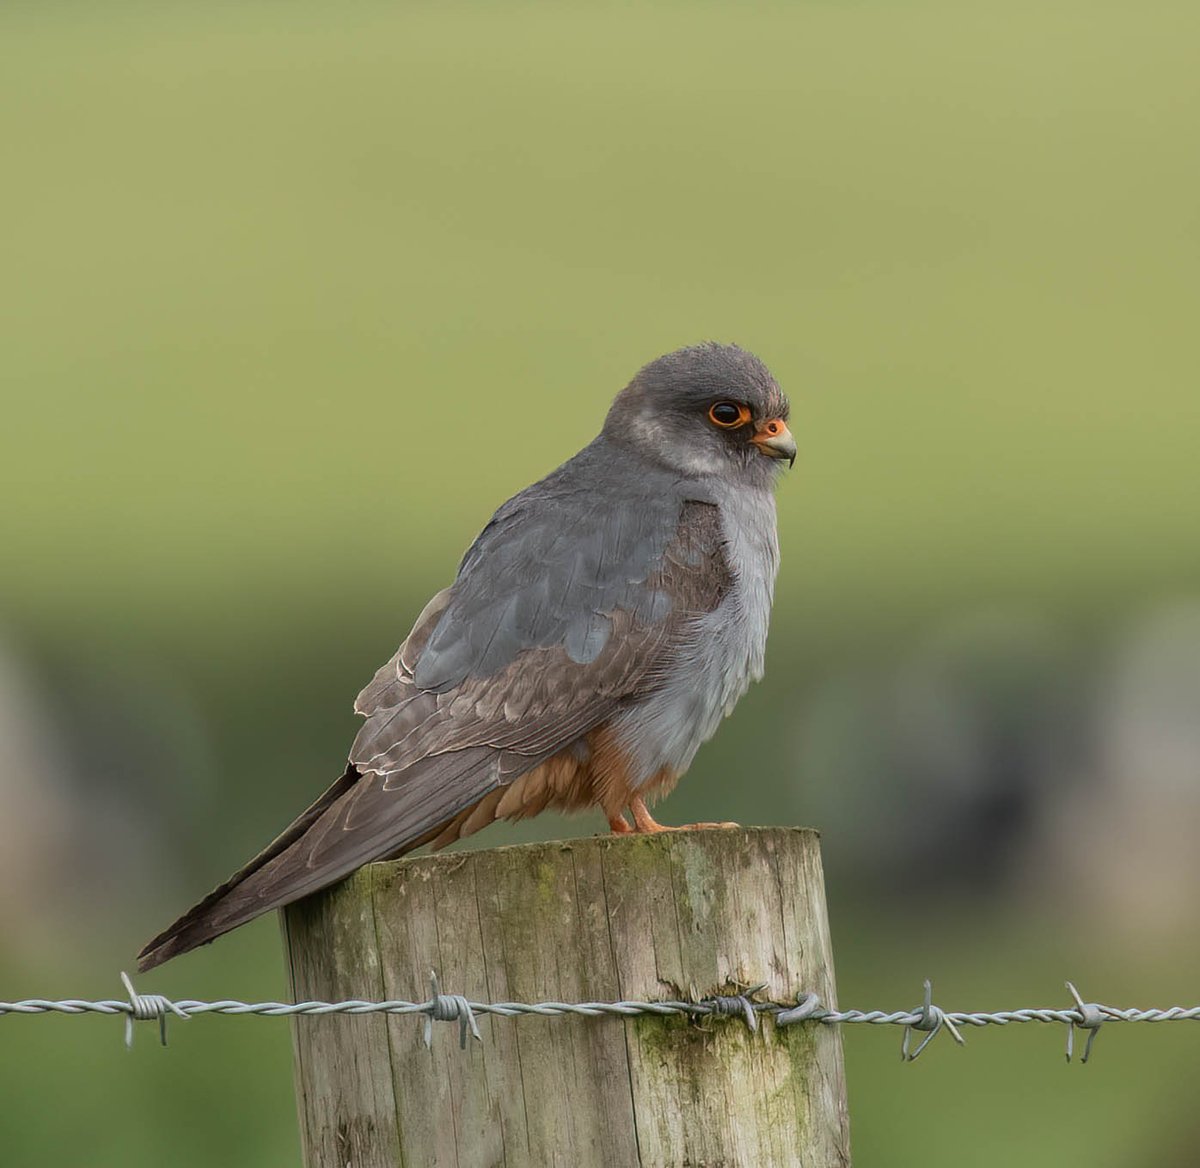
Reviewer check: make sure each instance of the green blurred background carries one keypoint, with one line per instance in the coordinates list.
(294, 295)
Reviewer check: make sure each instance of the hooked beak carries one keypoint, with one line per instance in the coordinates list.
(775, 440)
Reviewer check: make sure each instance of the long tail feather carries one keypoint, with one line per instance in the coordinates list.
(359, 819)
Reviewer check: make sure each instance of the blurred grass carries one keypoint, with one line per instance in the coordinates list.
(295, 295)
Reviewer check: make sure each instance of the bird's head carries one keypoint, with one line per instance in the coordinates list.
(706, 410)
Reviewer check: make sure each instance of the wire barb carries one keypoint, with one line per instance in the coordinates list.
(449, 1008)
(931, 1018)
(1091, 1018)
(737, 1006)
(145, 1008)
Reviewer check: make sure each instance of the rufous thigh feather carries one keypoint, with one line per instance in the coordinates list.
(564, 783)
(560, 782)
(659, 785)
(610, 773)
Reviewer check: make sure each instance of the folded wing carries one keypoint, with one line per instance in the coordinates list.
(562, 611)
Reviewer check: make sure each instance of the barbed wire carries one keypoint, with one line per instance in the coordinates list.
(926, 1018)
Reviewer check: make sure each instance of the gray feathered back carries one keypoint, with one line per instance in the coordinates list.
(554, 565)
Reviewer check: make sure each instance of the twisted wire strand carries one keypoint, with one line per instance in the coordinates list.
(440, 1007)
(189, 1007)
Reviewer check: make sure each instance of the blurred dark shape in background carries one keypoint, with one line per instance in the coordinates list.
(998, 760)
(939, 764)
(103, 761)
(1121, 846)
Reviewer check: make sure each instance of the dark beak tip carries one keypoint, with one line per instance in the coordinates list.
(775, 441)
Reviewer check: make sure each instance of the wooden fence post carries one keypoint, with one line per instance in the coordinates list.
(683, 914)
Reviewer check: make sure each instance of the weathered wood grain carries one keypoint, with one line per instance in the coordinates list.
(687, 914)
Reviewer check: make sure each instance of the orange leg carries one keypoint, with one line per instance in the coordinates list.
(619, 825)
(645, 822)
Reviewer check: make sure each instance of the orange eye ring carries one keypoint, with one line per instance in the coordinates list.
(728, 415)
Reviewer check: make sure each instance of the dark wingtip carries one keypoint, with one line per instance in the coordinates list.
(148, 961)
(201, 924)
(182, 937)
(163, 948)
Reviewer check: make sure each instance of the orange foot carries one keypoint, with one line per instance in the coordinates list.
(646, 822)
(619, 825)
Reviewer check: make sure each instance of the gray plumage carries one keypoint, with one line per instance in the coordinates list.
(627, 593)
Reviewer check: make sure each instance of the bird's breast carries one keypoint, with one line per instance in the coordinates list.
(724, 654)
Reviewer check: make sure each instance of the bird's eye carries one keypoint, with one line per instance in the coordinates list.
(728, 415)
